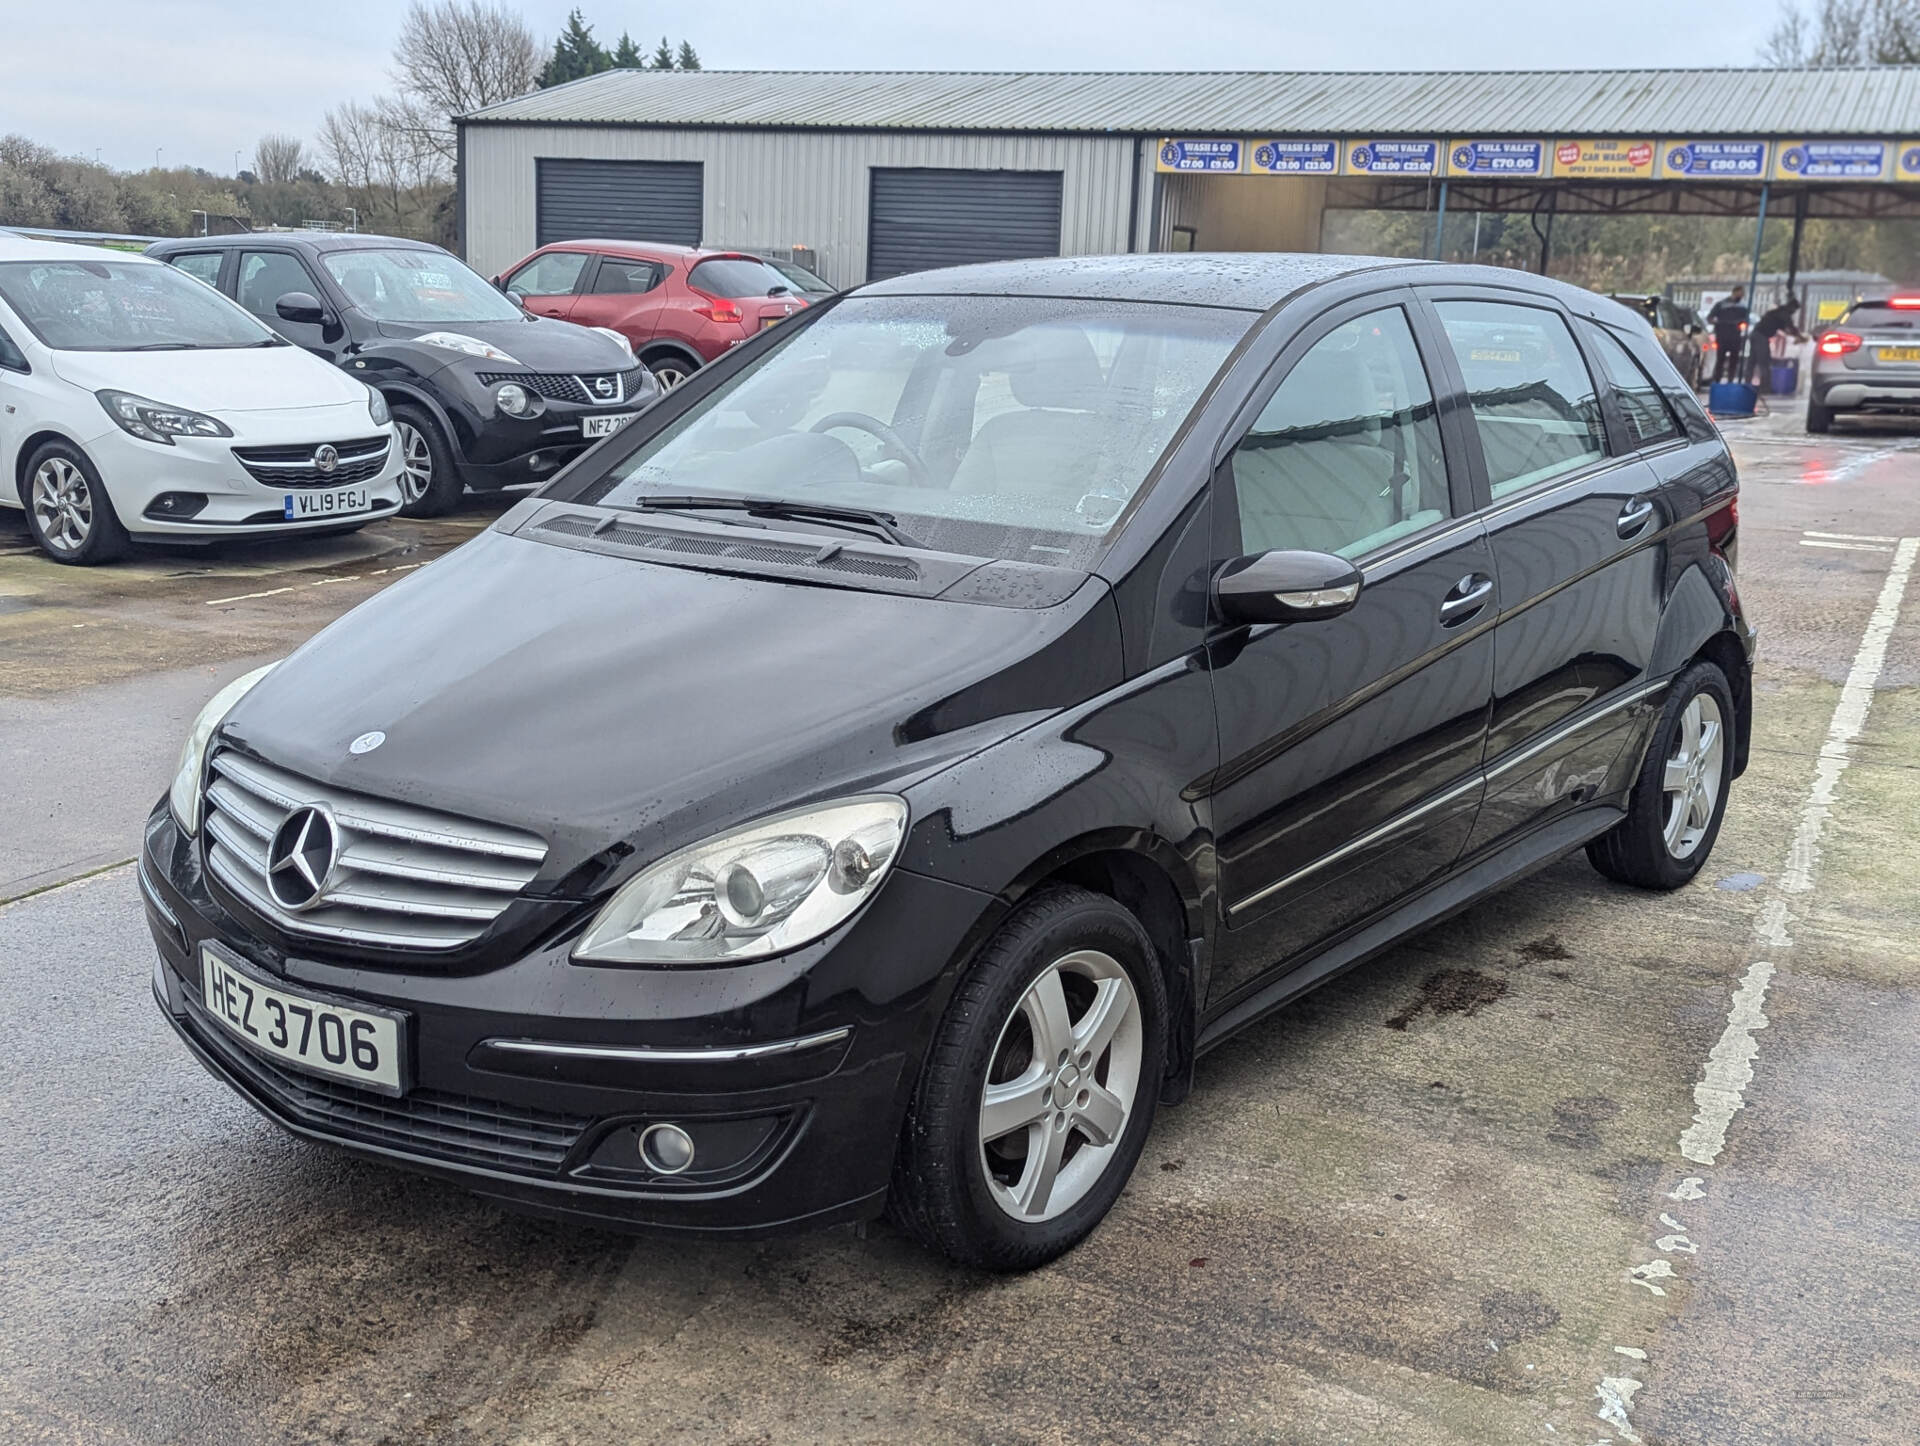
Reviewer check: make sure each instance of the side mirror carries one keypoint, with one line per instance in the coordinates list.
(516, 298)
(302, 306)
(1285, 587)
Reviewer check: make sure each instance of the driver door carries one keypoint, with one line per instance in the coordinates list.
(1351, 746)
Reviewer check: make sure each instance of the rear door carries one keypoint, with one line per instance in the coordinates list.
(1350, 746)
(625, 294)
(1575, 520)
(548, 285)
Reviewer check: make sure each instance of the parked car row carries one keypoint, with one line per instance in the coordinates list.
(871, 778)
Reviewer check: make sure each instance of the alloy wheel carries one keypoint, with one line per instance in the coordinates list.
(1691, 781)
(669, 374)
(62, 505)
(1061, 1085)
(416, 460)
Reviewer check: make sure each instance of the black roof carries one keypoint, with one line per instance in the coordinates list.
(310, 241)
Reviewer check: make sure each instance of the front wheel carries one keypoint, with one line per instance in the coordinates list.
(1675, 809)
(1039, 1088)
(429, 480)
(68, 509)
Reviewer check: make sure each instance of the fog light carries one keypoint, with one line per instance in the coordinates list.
(176, 505)
(666, 1149)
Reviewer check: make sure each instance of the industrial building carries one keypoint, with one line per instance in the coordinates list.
(878, 173)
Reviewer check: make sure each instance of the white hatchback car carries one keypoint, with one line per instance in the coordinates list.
(137, 402)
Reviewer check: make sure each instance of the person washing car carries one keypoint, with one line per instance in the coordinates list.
(1729, 321)
(1784, 317)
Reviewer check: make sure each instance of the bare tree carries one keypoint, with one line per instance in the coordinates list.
(379, 158)
(278, 158)
(455, 56)
(1846, 32)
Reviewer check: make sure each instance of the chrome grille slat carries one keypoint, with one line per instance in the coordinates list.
(403, 877)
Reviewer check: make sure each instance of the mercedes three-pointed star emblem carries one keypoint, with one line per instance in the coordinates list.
(301, 856)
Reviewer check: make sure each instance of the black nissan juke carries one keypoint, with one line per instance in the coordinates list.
(483, 395)
(872, 779)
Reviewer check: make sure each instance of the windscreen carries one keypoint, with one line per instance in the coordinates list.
(1006, 427)
(116, 305)
(1883, 316)
(735, 277)
(426, 287)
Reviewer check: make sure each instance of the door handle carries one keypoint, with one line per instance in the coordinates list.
(1468, 596)
(1635, 516)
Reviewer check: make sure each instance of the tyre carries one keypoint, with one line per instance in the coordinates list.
(429, 482)
(1819, 418)
(1674, 811)
(669, 368)
(68, 509)
(1039, 1087)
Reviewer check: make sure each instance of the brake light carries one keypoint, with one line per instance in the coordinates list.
(1838, 343)
(1905, 303)
(718, 308)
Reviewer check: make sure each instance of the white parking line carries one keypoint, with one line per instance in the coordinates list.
(215, 602)
(1721, 1092)
(1846, 546)
(1851, 536)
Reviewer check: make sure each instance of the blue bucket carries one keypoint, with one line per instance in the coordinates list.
(1732, 399)
(1784, 378)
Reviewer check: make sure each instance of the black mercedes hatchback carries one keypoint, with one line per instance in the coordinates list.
(871, 780)
(483, 395)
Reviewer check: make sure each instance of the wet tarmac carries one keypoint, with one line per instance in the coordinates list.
(1444, 1200)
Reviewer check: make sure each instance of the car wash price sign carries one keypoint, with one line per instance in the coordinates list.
(1204, 156)
(1392, 158)
(1296, 158)
(1713, 160)
(1497, 158)
(1833, 161)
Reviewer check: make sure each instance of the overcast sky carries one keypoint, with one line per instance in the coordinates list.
(202, 79)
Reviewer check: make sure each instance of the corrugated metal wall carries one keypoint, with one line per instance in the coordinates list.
(790, 188)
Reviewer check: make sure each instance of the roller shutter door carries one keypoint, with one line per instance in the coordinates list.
(924, 218)
(621, 200)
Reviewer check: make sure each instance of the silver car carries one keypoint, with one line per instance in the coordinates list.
(1867, 361)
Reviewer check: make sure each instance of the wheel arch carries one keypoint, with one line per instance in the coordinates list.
(674, 349)
(32, 443)
(1723, 650)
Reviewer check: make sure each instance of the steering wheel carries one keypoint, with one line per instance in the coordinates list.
(892, 444)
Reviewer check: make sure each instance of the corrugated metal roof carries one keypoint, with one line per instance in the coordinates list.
(1879, 101)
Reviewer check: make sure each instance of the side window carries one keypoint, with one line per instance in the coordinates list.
(1533, 402)
(265, 277)
(1345, 457)
(625, 278)
(1649, 419)
(200, 265)
(11, 357)
(551, 275)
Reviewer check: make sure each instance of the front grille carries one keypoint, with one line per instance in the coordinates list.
(405, 877)
(361, 459)
(583, 389)
(424, 1122)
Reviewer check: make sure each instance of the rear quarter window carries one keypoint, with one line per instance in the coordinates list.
(735, 277)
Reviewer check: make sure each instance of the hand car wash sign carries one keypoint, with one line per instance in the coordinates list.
(1611, 160)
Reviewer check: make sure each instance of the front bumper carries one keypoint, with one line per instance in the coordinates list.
(533, 1082)
(198, 488)
(494, 450)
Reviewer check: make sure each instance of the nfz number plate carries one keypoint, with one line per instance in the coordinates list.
(605, 426)
(323, 1036)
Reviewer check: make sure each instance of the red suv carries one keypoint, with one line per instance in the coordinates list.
(680, 307)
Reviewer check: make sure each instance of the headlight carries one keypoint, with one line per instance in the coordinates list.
(625, 345)
(184, 797)
(377, 408)
(760, 890)
(157, 422)
(516, 401)
(467, 345)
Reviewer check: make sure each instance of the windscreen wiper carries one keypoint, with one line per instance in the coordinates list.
(858, 519)
(164, 346)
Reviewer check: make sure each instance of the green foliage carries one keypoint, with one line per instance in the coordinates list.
(626, 55)
(688, 58)
(575, 54)
(662, 56)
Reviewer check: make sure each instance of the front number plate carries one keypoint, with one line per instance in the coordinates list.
(363, 1046)
(1900, 353)
(340, 502)
(605, 426)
